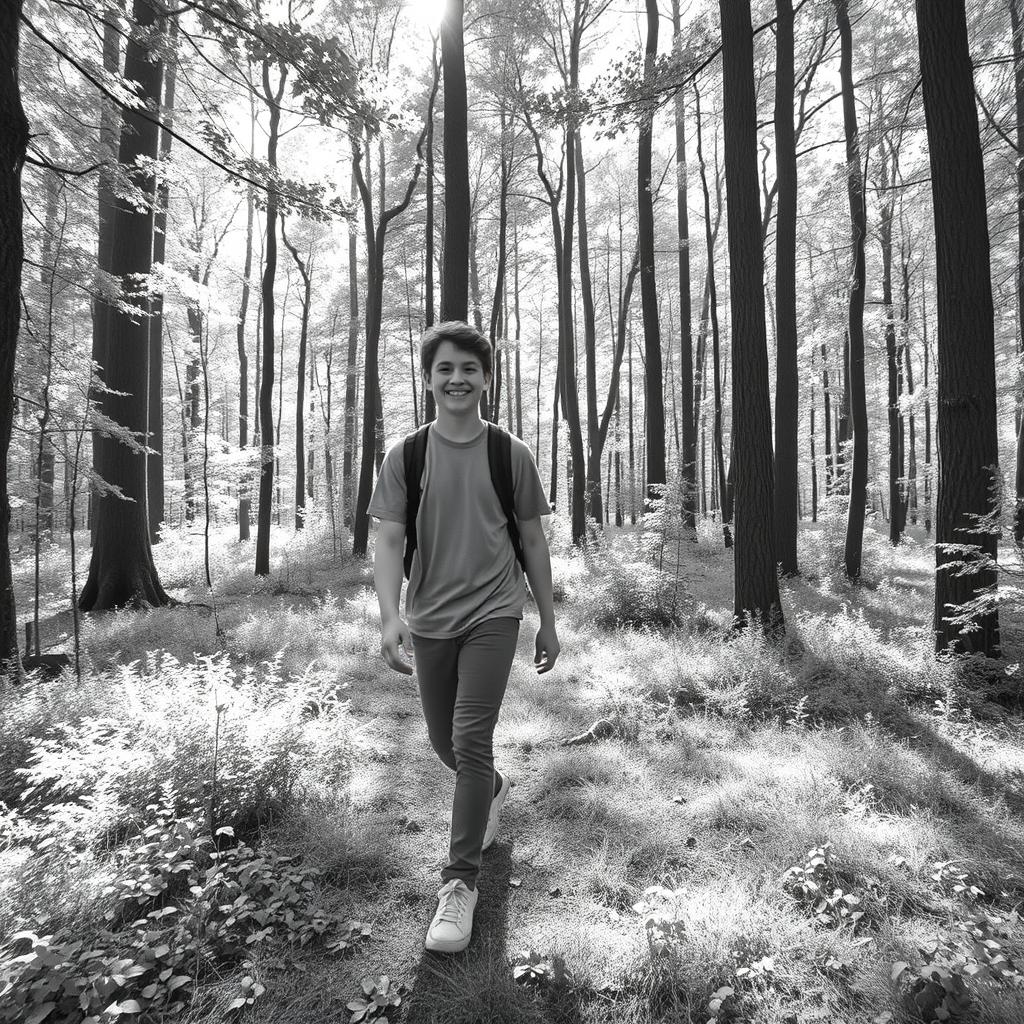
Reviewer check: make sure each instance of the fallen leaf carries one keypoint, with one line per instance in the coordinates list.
(515, 882)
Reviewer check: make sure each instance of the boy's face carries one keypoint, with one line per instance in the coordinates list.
(457, 379)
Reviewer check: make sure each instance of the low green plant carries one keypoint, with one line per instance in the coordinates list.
(940, 985)
(234, 739)
(953, 876)
(814, 884)
(181, 906)
(379, 998)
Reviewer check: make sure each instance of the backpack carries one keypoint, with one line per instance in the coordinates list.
(499, 459)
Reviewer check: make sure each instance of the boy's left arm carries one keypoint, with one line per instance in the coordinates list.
(538, 571)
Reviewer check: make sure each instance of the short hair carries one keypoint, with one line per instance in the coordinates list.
(462, 336)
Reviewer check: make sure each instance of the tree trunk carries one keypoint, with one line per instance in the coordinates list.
(927, 420)
(1018, 94)
(688, 454)
(787, 397)
(893, 358)
(244, 500)
(455, 263)
(155, 462)
(855, 364)
(519, 328)
(967, 437)
(121, 571)
(373, 412)
(756, 593)
(594, 447)
(13, 144)
(300, 385)
(273, 101)
(654, 406)
(106, 202)
(497, 324)
(712, 304)
(351, 369)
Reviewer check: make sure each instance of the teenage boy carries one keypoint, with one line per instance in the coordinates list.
(464, 601)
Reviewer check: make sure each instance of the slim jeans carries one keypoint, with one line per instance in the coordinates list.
(462, 683)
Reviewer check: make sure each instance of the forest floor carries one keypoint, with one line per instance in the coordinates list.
(829, 829)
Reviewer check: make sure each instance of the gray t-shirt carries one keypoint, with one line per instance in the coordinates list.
(464, 570)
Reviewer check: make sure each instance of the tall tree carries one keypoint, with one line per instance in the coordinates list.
(855, 329)
(13, 144)
(966, 401)
(272, 95)
(1017, 30)
(376, 237)
(787, 409)
(351, 369)
(455, 261)
(655, 403)
(305, 272)
(155, 460)
(121, 570)
(244, 500)
(688, 454)
(756, 591)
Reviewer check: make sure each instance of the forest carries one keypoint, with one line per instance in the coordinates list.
(751, 275)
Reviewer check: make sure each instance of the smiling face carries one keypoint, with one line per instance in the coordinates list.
(457, 380)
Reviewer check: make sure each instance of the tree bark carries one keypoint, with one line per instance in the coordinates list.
(787, 397)
(272, 98)
(654, 406)
(121, 571)
(688, 453)
(594, 447)
(372, 427)
(300, 385)
(13, 144)
(855, 366)
(455, 261)
(106, 202)
(967, 437)
(756, 592)
(244, 500)
(1018, 95)
(893, 359)
(712, 306)
(155, 461)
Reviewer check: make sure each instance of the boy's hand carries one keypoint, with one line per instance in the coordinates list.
(547, 649)
(393, 636)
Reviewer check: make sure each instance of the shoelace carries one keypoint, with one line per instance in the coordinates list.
(453, 905)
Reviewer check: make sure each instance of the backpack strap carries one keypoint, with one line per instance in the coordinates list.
(414, 458)
(499, 459)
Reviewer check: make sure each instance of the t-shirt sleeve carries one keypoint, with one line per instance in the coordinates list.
(388, 499)
(529, 490)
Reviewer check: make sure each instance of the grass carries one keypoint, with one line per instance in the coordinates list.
(727, 763)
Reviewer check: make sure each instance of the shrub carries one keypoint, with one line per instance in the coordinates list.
(236, 743)
(179, 910)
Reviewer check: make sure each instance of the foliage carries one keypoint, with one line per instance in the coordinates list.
(939, 985)
(235, 741)
(640, 581)
(378, 999)
(814, 884)
(181, 906)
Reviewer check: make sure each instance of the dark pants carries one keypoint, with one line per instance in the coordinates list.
(462, 682)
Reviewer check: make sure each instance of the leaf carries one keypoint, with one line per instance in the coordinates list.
(40, 1013)
(898, 968)
(237, 1003)
(515, 882)
(128, 1006)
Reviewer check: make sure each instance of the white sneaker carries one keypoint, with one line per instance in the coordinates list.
(450, 930)
(492, 817)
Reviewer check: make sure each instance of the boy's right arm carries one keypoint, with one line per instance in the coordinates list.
(387, 579)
